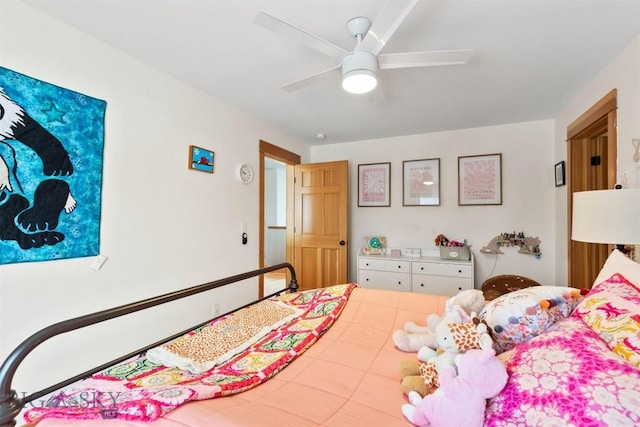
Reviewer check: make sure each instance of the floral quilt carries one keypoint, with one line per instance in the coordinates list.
(568, 377)
(142, 390)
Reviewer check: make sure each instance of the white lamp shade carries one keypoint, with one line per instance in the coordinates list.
(606, 216)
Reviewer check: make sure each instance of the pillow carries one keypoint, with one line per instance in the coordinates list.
(617, 262)
(612, 310)
(518, 316)
(566, 377)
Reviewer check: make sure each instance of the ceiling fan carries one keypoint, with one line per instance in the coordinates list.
(359, 67)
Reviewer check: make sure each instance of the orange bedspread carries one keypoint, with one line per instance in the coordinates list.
(348, 378)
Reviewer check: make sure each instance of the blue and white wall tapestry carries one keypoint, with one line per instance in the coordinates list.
(51, 145)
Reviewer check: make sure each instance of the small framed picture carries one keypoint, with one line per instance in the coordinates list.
(421, 182)
(480, 180)
(374, 184)
(560, 174)
(201, 159)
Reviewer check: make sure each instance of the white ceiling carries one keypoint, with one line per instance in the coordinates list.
(530, 57)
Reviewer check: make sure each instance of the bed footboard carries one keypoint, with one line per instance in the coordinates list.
(11, 404)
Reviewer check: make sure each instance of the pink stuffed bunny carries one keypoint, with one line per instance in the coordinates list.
(461, 400)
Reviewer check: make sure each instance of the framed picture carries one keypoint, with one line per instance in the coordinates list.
(374, 184)
(480, 180)
(421, 182)
(560, 174)
(201, 159)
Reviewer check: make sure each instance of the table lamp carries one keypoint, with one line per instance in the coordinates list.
(607, 216)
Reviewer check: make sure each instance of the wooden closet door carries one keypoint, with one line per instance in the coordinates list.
(320, 234)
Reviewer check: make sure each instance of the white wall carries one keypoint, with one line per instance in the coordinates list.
(528, 195)
(275, 212)
(163, 227)
(623, 74)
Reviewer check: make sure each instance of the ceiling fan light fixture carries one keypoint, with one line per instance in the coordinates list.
(359, 72)
(359, 81)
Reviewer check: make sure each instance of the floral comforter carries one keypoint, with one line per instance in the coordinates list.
(142, 390)
(569, 376)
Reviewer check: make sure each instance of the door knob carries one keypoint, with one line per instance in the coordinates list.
(342, 243)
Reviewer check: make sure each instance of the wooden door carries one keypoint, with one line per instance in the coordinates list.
(320, 230)
(591, 165)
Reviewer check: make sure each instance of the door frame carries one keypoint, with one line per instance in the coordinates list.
(268, 150)
(582, 128)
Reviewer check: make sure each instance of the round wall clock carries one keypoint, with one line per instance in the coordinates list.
(246, 173)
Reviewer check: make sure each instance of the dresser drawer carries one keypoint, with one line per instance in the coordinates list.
(391, 265)
(442, 269)
(384, 280)
(439, 285)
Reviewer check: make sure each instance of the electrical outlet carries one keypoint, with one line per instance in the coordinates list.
(216, 309)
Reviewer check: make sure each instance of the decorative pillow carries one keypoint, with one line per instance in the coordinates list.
(618, 284)
(612, 310)
(617, 262)
(518, 316)
(566, 377)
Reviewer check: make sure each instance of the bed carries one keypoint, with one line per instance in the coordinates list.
(579, 368)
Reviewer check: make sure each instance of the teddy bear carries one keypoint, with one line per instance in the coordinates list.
(461, 398)
(415, 337)
(456, 333)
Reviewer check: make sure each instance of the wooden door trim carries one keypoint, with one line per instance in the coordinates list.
(278, 153)
(584, 127)
(289, 158)
(606, 104)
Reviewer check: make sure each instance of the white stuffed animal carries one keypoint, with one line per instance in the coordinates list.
(414, 337)
(456, 334)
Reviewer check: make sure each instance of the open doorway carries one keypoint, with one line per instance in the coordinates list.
(275, 222)
(276, 208)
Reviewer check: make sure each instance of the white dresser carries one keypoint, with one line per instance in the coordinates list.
(426, 274)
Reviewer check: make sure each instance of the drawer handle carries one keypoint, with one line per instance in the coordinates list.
(367, 264)
(399, 266)
(399, 283)
(422, 268)
(459, 271)
(459, 288)
(367, 279)
(422, 284)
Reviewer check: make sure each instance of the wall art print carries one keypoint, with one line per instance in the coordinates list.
(480, 180)
(374, 184)
(51, 146)
(421, 182)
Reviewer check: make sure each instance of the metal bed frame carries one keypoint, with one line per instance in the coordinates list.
(11, 404)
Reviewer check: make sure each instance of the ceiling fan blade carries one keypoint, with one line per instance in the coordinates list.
(423, 59)
(282, 28)
(386, 23)
(315, 78)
